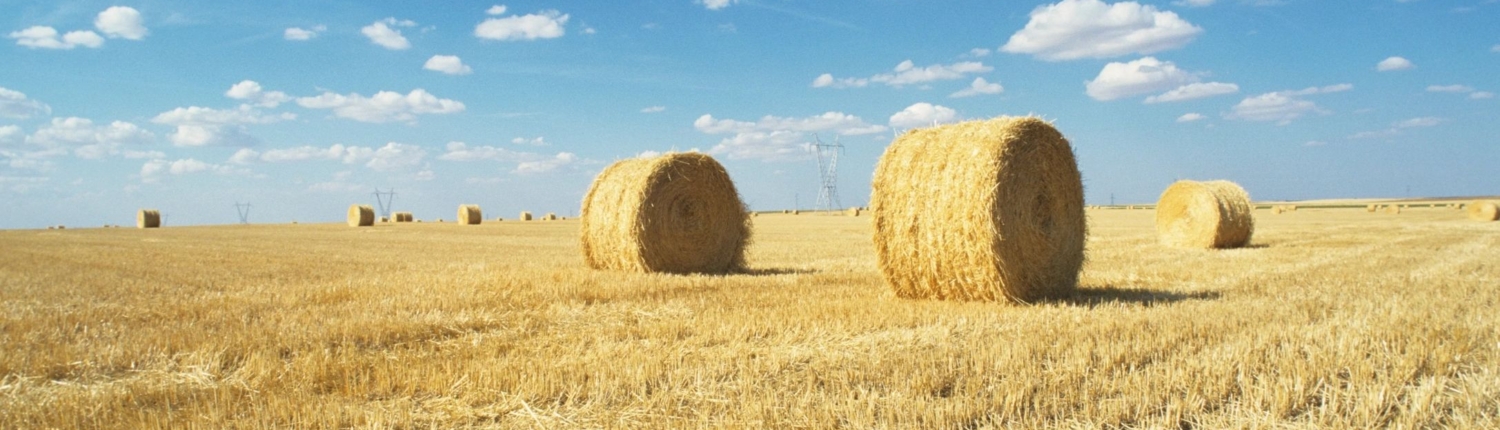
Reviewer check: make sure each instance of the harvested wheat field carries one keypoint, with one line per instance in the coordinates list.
(1330, 319)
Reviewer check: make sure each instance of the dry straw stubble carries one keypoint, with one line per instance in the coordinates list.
(1483, 211)
(361, 216)
(985, 210)
(1212, 214)
(674, 213)
(469, 215)
(147, 218)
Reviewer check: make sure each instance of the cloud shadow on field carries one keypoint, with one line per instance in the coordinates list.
(1108, 295)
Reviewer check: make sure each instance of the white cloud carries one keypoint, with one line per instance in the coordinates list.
(978, 53)
(1190, 117)
(396, 156)
(1282, 107)
(1194, 91)
(121, 22)
(1426, 121)
(498, 9)
(1449, 88)
(1397, 127)
(838, 122)
(81, 131)
(10, 135)
(535, 141)
(906, 73)
(152, 170)
(47, 38)
(384, 106)
(1495, 48)
(1073, 29)
(547, 24)
(251, 91)
(244, 156)
(449, 64)
(778, 145)
(380, 33)
(14, 104)
(302, 34)
(978, 87)
(1393, 64)
(716, 4)
(1481, 95)
(654, 109)
(543, 166)
(922, 115)
(393, 156)
(201, 126)
(1146, 75)
(1336, 88)
(1193, 3)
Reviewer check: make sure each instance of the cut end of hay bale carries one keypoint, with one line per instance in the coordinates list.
(361, 216)
(525, 216)
(469, 215)
(1213, 214)
(147, 218)
(986, 210)
(1484, 211)
(674, 213)
(549, 217)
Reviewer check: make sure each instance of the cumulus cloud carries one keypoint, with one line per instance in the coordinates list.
(1074, 29)
(381, 33)
(1190, 117)
(74, 131)
(1394, 64)
(498, 9)
(716, 4)
(978, 87)
(535, 141)
(10, 135)
(1195, 90)
(391, 157)
(547, 24)
(153, 170)
(526, 162)
(449, 64)
(47, 38)
(121, 22)
(1193, 3)
(906, 73)
(251, 92)
(15, 105)
(774, 138)
(923, 115)
(384, 106)
(1146, 75)
(543, 166)
(303, 34)
(1282, 106)
(1481, 95)
(201, 126)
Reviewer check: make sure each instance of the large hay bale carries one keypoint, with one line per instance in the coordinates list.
(675, 213)
(1212, 214)
(1484, 211)
(985, 210)
(525, 216)
(361, 215)
(469, 215)
(147, 218)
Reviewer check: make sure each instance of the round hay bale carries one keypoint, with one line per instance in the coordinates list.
(796, 212)
(674, 213)
(988, 210)
(549, 217)
(1371, 208)
(469, 215)
(852, 212)
(52, 227)
(147, 218)
(1484, 211)
(525, 216)
(361, 215)
(1212, 214)
(385, 220)
(1276, 210)
(1392, 209)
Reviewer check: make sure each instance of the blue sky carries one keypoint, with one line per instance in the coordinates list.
(302, 108)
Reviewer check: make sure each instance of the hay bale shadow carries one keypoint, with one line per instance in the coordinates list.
(1109, 295)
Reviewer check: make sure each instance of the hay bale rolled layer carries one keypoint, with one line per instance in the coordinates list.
(469, 215)
(675, 213)
(1213, 214)
(1484, 211)
(147, 218)
(983, 210)
(525, 216)
(361, 216)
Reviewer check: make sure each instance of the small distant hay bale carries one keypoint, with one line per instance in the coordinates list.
(549, 217)
(361, 215)
(852, 212)
(147, 218)
(988, 210)
(62, 227)
(498, 219)
(469, 215)
(1212, 214)
(674, 213)
(1393, 209)
(796, 212)
(384, 219)
(1276, 209)
(1371, 208)
(52, 227)
(405, 217)
(1484, 211)
(525, 216)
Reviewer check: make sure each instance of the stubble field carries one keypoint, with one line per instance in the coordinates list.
(1333, 318)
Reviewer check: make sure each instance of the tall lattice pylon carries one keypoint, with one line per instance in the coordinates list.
(828, 172)
(244, 210)
(384, 199)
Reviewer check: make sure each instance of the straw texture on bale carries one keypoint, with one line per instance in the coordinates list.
(1212, 214)
(988, 210)
(469, 215)
(525, 216)
(147, 218)
(1484, 211)
(674, 213)
(361, 216)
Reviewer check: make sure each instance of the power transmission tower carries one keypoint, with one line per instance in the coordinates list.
(384, 199)
(828, 172)
(244, 211)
